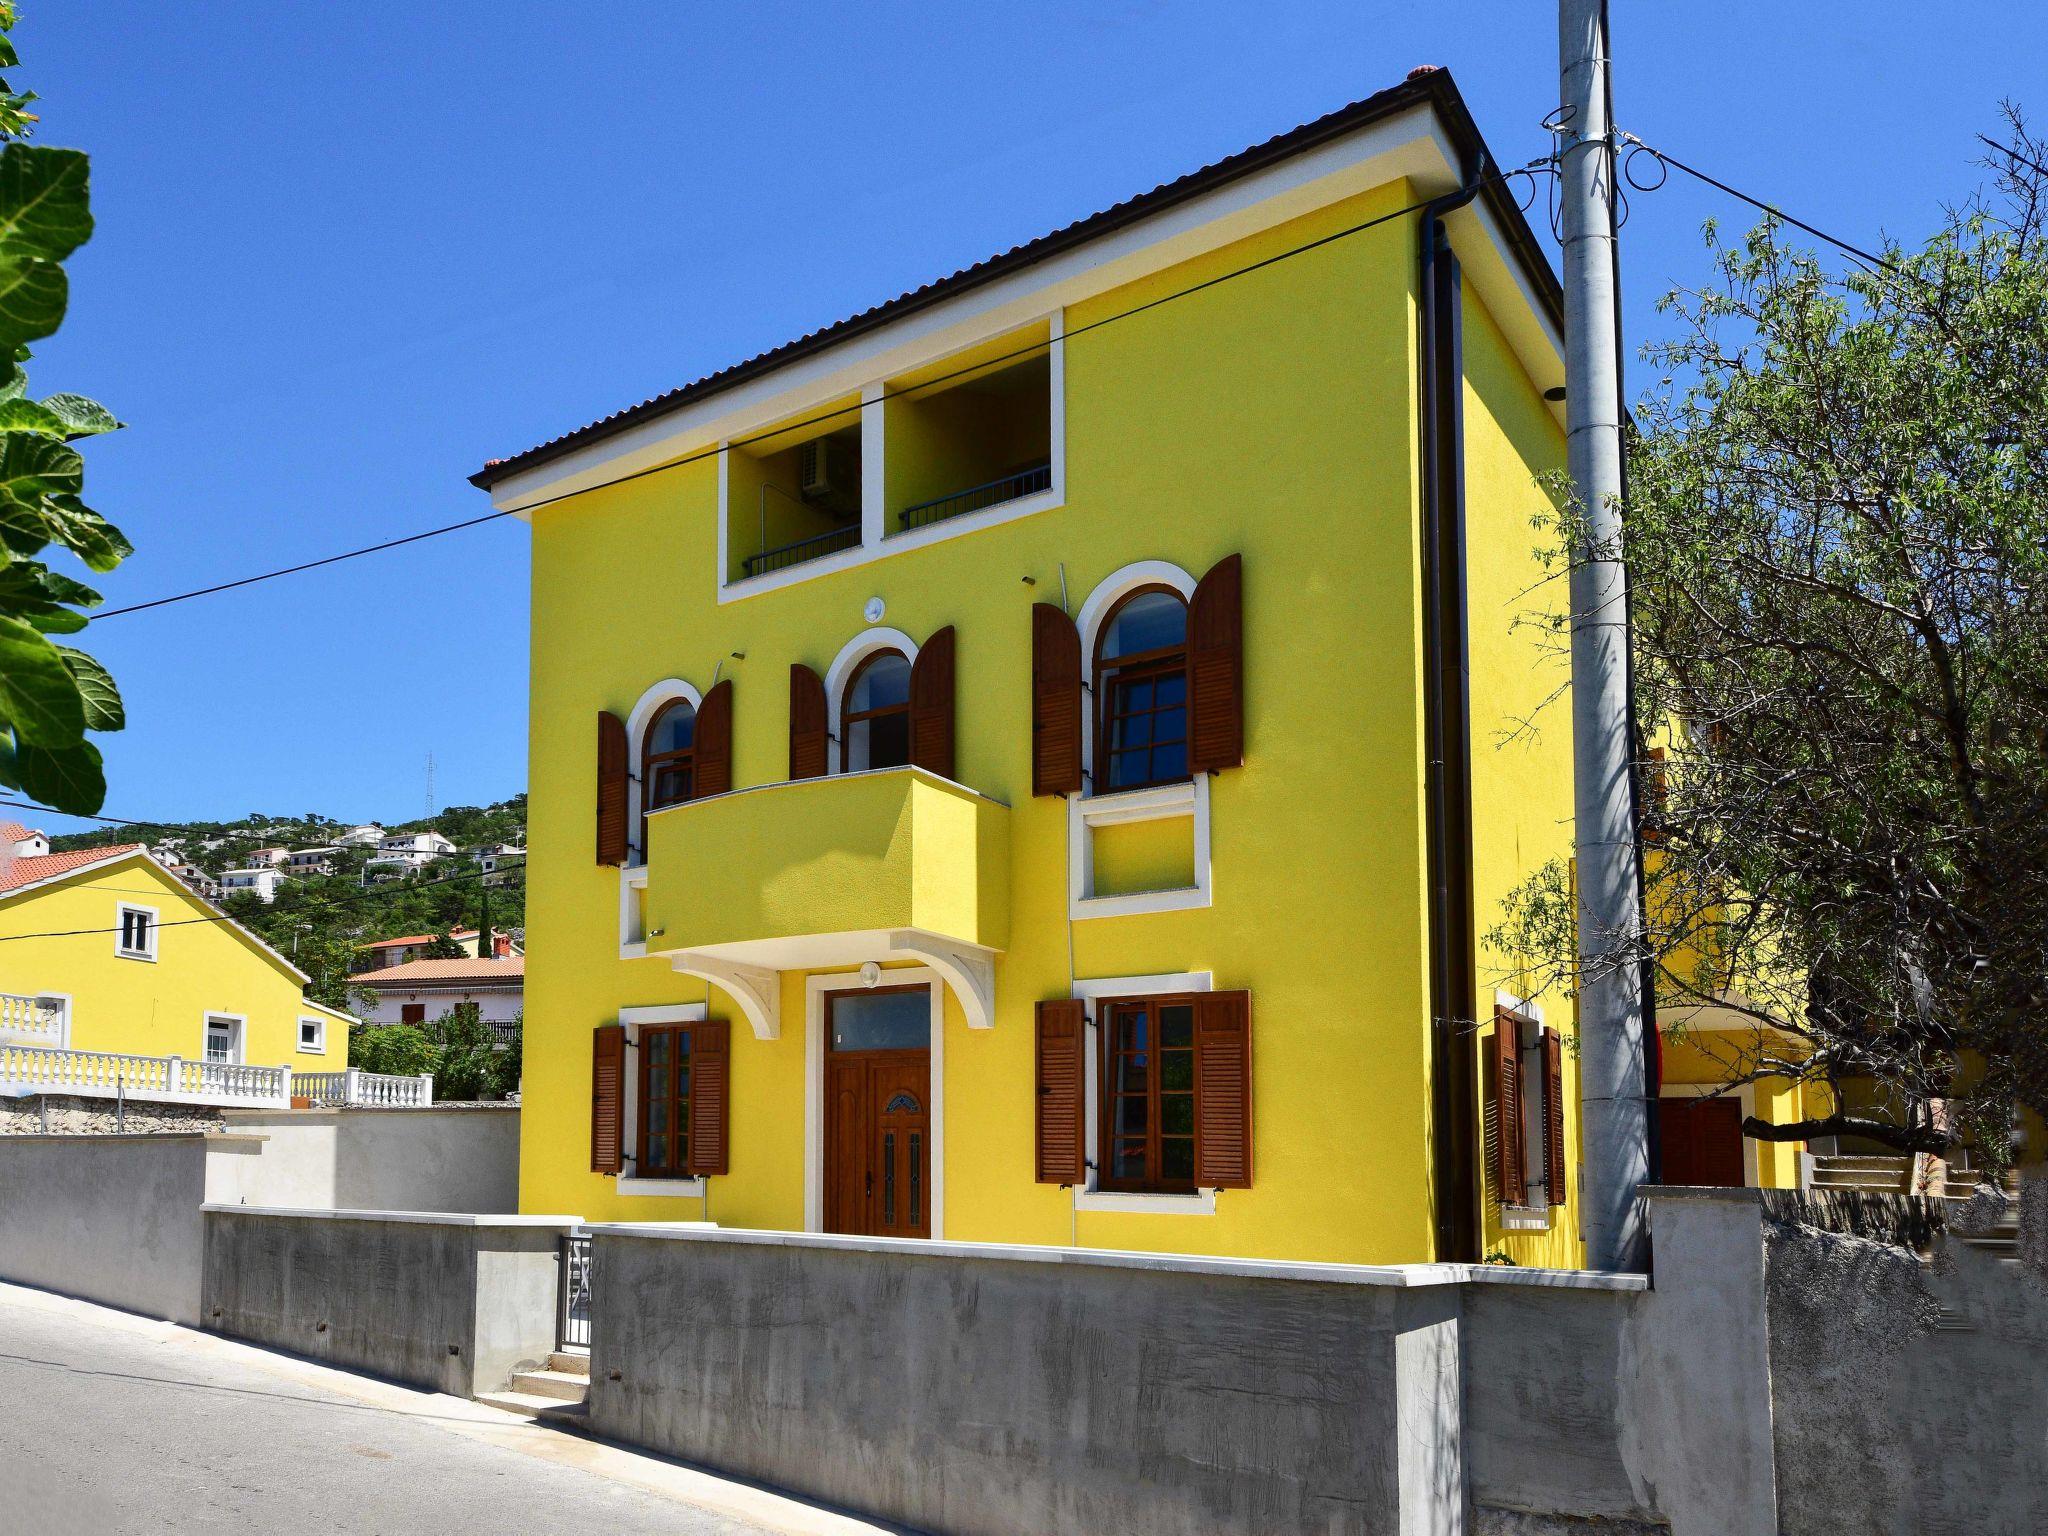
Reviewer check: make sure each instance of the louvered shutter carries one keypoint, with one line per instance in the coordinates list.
(1510, 1184)
(1062, 1089)
(712, 758)
(607, 1097)
(611, 789)
(1055, 702)
(1216, 669)
(931, 705)
(808, 723)
(1223, 1090)
(710, 1095)
(1553, 1114)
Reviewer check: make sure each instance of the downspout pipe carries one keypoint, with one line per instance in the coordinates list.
(1447, 779)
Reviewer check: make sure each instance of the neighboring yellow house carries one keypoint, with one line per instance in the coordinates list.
(103, 950)
(1056, 741)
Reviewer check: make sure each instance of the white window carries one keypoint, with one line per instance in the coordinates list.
(135, 934)
(312, 1034)
(223, 1037)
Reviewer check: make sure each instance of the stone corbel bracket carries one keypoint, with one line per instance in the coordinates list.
(969, 971)
(756, 989)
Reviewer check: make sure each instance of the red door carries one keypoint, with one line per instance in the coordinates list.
(878, 1143)
(1702, 1142)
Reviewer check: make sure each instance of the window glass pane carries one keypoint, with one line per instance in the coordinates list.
(1177, 1071)
(675, 730)
(657, 1151)
(880, 742)
(883, 681)
(881, 1021)
(1170, 762)
(1129, 1160)
(1172, 689)
(1131, 1114)
(1146, 623)
(1177, 1159)
(655, 1043)
(657, 1105)
(1177, 1027)
(1177, 1114)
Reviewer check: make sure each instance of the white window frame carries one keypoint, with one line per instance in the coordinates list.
(876, 543)
(1529, 1218)
(649, 704)
(319, 1045)
(1087, 811)
(868, 642)
(626, 1182)
(238, 1037)
(1092, 993)
(148, 951)
(815, 990)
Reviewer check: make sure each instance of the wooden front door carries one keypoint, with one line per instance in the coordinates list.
(877, 1116)
(1701, 1141)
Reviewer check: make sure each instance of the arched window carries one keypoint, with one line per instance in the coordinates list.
(1141, 692)
(668, 770)
(874, 720)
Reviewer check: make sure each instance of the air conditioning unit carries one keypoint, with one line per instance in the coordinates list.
(827, 467)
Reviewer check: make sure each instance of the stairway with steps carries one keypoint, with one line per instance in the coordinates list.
(558, 1393)
(1892, 1176)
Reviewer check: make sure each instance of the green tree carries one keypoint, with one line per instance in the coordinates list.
(1837, 533)
(51, 694)
(441, 947)
(403, 1050)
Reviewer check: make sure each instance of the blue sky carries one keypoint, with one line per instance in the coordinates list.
(347, 253)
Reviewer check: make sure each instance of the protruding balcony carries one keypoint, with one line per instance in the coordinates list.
(892, 864)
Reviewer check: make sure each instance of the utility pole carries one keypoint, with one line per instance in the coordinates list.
(1612, 1076)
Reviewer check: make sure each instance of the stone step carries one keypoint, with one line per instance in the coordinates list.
(571, 1362)
(559, 1385)
(529, 1405)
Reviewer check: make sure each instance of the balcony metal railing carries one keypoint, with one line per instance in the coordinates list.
(112, 1074)
(803, 549)
(355, 1088)
(1026, 482)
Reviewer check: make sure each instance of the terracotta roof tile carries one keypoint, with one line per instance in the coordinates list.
(16, 873)
(444, 973)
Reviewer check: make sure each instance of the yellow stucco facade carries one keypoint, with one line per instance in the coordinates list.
(1273, 415)
(61, 939)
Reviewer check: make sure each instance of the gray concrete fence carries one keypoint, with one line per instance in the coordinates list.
(453, 1303)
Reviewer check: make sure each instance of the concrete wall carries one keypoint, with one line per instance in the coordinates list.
(451, 1303)
(983, 1388)
(440, 1159)
(115, 1219)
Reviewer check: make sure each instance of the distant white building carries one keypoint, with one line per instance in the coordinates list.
(271, 856)
(22, 842)
(419, 990)
(264, 882)
(382, 953)
(311, 861)
(368, 835)
(499, 861)
(193, 876)
(429, 845)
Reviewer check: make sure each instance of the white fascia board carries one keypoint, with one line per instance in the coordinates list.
(1502, 283)
(1410, 144)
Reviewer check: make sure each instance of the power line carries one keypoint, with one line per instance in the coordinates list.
(2007, 149)
(833, 414)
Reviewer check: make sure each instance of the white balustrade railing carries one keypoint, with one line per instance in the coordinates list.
(30, 1020)
(111, 1074)
(358, 1089)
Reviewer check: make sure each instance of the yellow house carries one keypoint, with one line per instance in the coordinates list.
(1057, 741)
(105, 953)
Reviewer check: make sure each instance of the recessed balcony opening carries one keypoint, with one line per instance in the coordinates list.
(791, 500)
(970, 441)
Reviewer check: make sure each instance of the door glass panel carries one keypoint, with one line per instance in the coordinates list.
(881, 1021)
(916, 1174)
(889, 1179)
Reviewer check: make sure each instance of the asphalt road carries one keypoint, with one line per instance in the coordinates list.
(117, 1424)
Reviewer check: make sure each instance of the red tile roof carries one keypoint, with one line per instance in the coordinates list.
(15, 873)
(15, 832)
(416, 938)
(445, 973)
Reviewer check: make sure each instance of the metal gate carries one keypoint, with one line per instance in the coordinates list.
(572, 1313)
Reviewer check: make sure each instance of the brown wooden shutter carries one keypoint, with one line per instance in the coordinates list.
(712, 757)
(809, 722)
(710, 1095)
(1055, 702)
(1062, 1091)
(1216, 669)
(1553, 1114)
(1223, 1090)
(611, 789)
(931, 705)
(607, 1097)
(1510, 1183)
